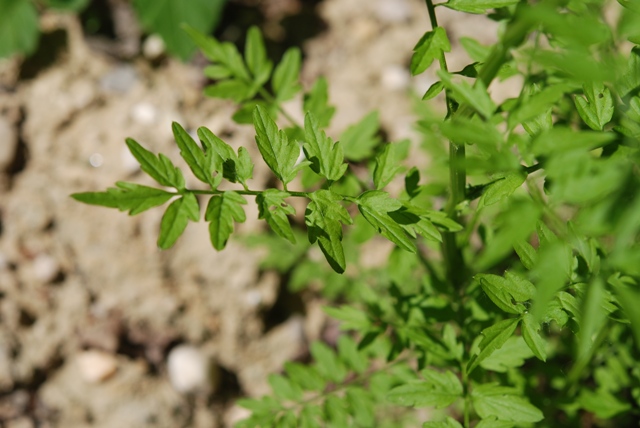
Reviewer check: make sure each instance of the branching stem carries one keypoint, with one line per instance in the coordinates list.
(268, 97)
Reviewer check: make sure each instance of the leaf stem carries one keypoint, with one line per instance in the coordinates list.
(267, 96)
(246, 192)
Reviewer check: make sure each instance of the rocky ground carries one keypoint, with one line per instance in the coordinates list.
(97, 326)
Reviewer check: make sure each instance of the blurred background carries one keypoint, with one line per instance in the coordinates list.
(97, 326)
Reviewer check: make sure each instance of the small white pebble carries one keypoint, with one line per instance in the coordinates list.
(96, 160)
(96, 366)
(153, 47)
(144, 113)
(395, 77)
(45, 267)
(188, 369)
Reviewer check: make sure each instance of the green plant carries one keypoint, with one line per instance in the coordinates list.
(19, 28)
(529, 313)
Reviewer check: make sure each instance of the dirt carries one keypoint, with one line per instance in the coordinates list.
(90, 309)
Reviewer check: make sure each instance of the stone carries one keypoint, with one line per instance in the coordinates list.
(96, 366)
(188, 369)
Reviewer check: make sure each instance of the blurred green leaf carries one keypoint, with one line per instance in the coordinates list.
(494, 337)
(477, 6)
(19, 27)
(532, 337)
(165, 17)
(359, 139)
(286, 75)
(438, 389)
(316, 101)
(504, 403)
(597, 109)
(512, 354)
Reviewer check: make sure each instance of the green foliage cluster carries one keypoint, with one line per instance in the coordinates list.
(19, 28)
(517, 302)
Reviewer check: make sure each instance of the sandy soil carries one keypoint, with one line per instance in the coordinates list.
(90, 310)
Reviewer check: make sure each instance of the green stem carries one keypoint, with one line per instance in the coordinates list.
(248, 193)
(457, 176)
(269, 98)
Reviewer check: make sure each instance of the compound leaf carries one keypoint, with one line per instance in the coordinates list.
(375, 206)
(274, 209)
(438, 389)
(126, 196)
(326, 157)
(159, 168)
(175, 219)
(222, 211)
(278, 152)
(430, 47)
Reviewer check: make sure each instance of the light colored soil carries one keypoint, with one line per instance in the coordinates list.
(77, 280)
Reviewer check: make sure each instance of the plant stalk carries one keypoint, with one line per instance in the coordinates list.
(451, 252)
